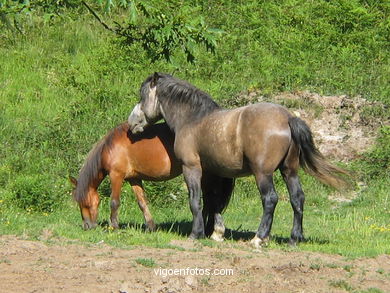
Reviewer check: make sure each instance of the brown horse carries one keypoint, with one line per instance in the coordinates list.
(257, 139)
(124, 156)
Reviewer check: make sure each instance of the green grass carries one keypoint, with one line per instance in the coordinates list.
(146, 262)
(64, 85)
(359, 228)
(341, 284)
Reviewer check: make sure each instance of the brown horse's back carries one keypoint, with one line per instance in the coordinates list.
(148, 156)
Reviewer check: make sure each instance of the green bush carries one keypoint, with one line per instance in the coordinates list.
(5, 175)
(377, 162)
(34, 193)
(172, 193)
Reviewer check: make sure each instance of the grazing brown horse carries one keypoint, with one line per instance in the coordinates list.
(256, 139)
(148, 156)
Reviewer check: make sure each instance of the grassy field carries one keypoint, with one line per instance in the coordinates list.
(64, 84)
(357, 228)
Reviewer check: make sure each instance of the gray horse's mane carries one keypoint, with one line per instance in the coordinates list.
(93, 165)
(176, 93)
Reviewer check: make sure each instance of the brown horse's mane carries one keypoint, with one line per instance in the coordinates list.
(93, 165)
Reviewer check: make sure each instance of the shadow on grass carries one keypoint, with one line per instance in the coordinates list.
(285, 240)
(130, 225)
(183, 228)
(239, 235)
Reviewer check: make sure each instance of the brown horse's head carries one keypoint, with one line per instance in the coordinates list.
(89, 205)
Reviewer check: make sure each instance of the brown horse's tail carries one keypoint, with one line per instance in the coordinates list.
(311, 159)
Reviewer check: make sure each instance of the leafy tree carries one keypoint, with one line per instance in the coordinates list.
(162, 29)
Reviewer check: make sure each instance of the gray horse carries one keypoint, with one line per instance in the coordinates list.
(256, 139)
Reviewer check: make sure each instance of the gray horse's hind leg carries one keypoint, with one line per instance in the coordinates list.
(223, 195)
(215, 228)
(219, 228)
(208, 211)
(289, 171)
(297, 199)
(269, 199)
(217, 192)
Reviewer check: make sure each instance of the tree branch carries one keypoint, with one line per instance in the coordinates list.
(98, 18)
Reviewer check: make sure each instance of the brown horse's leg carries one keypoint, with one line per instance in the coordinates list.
(269, 199)
(116, 186)
(142, 203)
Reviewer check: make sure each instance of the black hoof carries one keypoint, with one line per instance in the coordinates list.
(295, 240)
(196, 236)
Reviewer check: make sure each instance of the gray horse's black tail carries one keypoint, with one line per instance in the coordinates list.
(311, 159)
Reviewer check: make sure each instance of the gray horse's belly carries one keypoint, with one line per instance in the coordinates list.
(230, 167)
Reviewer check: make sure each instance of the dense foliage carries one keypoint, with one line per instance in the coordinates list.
(159, 31)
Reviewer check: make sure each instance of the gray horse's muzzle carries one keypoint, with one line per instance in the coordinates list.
(137, 120)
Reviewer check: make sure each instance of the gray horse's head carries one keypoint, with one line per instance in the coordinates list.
(148, 110)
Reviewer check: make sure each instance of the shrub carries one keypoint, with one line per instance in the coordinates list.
(377, 162)
(33, 193)
(164, 194)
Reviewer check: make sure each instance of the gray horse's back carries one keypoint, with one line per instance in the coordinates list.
(267, 135)
(229, 139)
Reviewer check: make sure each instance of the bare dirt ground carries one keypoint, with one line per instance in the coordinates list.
(341, 132)
(33, 266)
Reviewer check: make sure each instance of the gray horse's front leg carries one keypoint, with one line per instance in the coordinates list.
(192, 177)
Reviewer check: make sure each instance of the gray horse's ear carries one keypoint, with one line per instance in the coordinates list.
(155, 78)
